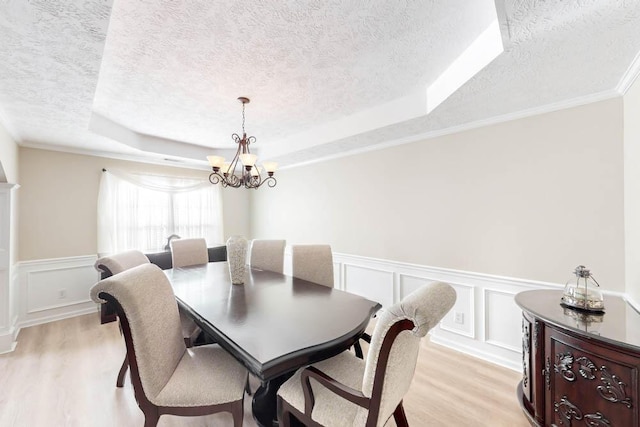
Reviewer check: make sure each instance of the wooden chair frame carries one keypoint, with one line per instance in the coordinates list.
(289, 416)
(152, 412)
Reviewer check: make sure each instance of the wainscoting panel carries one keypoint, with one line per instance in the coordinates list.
(484, 322)
(461, 319)
(498, 306)
(55, 289)
(409, 284)
(372, 283)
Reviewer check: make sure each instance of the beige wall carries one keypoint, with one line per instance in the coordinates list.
(236, 211)
(530, 198)
(58, 201)
(632, 189)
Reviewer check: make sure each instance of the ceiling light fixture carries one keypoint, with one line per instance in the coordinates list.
(248, 174)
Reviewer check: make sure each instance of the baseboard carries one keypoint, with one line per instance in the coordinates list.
(87, 308)
(8, 340)
(513, 362)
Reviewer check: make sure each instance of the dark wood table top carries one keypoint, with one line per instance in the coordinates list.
(618, 325)
(273, 323)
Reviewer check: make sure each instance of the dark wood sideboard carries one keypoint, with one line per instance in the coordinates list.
(579, 369)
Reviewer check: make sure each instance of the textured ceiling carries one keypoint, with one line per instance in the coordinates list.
(177, 72)
(136, 70)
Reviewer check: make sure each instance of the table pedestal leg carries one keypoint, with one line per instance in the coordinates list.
(264, 405)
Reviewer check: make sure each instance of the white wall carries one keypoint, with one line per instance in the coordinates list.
(530, 198)
(632, 189)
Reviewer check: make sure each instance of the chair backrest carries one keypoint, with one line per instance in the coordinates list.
(150, 322)
(186, 252)
(313, 263)
(117, 263)
(395, 343)
(268, 254)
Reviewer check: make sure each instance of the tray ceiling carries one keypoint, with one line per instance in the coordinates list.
(159, 79)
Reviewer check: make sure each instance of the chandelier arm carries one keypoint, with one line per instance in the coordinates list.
(252, 181)
(216, 178)
(271, 182)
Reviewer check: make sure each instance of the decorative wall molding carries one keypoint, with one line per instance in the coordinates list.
(54, 289)
(488, 325)
(476, 124)
(485, 321)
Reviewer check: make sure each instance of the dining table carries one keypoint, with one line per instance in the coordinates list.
(273, 324)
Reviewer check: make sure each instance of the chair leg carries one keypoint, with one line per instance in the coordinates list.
(151, 418)
(123, 371)
(400, 417)
(247, 387)
(358, 350)
(238, 413)
(284, 418)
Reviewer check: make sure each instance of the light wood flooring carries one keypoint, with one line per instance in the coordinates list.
(63, 374)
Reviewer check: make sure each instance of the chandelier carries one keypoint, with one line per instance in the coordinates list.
(243, 170)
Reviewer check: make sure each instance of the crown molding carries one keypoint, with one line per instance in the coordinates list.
(629, 76)
(118, 156)
(548, 108)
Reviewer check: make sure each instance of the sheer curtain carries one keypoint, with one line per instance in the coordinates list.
(138, 211)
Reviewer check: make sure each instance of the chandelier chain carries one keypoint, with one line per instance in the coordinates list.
(243, 132)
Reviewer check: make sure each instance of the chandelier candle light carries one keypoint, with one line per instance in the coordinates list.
(242, 171)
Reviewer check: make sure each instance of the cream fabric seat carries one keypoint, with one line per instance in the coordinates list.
(378, 383)
(268, 254)
(117, 263)
(313, 263)
(186, 252)
(167, 377)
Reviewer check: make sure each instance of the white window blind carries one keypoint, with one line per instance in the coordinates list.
(138, 211)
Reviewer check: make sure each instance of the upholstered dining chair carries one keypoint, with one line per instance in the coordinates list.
(117, 263)
(313, 263)
(268, 254)
(347, 391)
(186, 252)
(167, 377)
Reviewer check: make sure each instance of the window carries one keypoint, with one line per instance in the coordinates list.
(141, 211)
